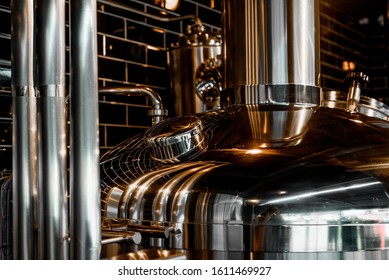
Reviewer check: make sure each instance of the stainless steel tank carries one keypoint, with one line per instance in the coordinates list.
(276, 173)
(195, 76)
(225, 197)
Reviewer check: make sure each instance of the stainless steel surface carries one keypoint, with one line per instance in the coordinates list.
(366, 105)
(176, 141)
(85, 228)
(195, 61)
(325, 198)
(53, 209)
(293, 42)
(157, 113)
(271, 60)
(357, 80)
(115, 236)
(24, 132)
(270, 43)
(150, 254)
(208, 84)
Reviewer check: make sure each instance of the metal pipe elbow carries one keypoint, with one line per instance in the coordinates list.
(157, 112)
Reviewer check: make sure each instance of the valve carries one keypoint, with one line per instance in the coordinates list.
(356, 80)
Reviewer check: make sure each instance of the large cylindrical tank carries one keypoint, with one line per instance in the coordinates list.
(194, 71)
(222, 196)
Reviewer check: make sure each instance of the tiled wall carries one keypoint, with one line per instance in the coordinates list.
(132, 51)
(344, 38)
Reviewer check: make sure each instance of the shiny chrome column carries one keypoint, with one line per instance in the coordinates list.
(269, 43)
(53, 220)
(24, 129)
(85, 210)
(271, 60)
(244, 46)
(293, 42)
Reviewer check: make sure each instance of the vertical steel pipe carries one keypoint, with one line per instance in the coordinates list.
(85, 229)
(270, 43)
(293, 42)
(24, 129)
(53, 220)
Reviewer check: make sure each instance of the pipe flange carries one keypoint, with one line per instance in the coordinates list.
(176, 140)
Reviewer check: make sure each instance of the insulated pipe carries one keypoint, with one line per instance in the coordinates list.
(85, 228)
(53, 220)
(157, 113)
(24, 132)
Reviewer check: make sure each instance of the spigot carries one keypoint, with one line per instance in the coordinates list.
(356, 81)
(208, 83)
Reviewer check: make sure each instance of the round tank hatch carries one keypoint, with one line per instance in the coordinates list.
(176, 140)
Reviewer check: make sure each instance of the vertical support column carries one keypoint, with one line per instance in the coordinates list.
(53, 211)
(85, 213)
(24, 132)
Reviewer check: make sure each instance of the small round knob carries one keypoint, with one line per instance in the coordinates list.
(176, 140)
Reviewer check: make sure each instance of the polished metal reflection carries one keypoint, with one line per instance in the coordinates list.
(271, 57)
(24, 132)
(53, 210)
(366, 105)
(195, 60)
(208, 84)
(270, 43)
(176, 140)
(325, 198)
(293, 42)
(85, 229)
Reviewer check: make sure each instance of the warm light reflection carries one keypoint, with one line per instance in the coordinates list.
(252, 201)
(168, 4)
(348, 66)
(254, 152)
(356, 121)
(158, 30)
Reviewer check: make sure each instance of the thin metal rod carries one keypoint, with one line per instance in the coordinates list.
(53, 220)
(85, 228)
(117, 236)
(24, 132)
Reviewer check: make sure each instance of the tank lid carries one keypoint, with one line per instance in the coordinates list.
(176, 139)
(197, 35)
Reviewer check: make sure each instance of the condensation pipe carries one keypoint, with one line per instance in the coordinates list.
(24, 132)
(53, 210)
(85, 227)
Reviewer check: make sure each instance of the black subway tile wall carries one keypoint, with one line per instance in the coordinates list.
(132, 47)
